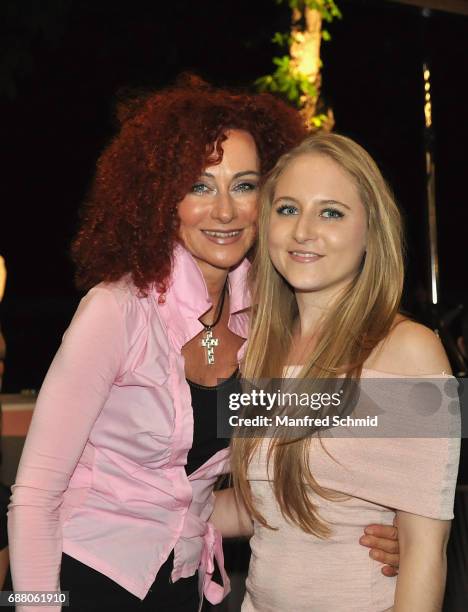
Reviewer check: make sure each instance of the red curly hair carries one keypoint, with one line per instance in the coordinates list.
(129, 223)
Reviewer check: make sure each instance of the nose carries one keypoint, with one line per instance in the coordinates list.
(224, 208)
(305, 228)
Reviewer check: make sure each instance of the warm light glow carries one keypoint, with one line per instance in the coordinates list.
(427, 96)
(428, 114)
(434, 291)
(3, 275)
(305, 61)
(305, 47)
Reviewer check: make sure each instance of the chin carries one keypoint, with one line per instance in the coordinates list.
(302, 284)
(306, 284)
(227, 260)
(224, 263)
(306, 288)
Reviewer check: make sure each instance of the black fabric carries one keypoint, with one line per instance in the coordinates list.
(90, 591)
(5, 493)
(456, 592)
(204, 403)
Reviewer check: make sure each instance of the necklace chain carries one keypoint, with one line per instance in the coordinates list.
(209, 341)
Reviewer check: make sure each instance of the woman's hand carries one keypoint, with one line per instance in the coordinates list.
(384, 545)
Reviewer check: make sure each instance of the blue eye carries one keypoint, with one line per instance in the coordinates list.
(286, 209)
(199, 188)
(246, 186)
(332, 213)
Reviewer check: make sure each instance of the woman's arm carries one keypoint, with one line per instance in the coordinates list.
(414, 350)
(423, 563)
(230, 516)
(71, 398)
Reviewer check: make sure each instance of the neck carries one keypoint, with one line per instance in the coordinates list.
(215, 280)
(312, 306)
(215, 288)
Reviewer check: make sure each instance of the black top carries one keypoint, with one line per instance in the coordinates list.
(205, 441)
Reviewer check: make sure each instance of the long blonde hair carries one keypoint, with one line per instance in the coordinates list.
(358, 320)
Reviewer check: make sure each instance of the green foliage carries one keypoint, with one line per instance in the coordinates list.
(319, 120)
(282, 40)
(286, 81)
(327, 8)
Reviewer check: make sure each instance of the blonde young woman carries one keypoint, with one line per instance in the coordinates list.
(327, 282)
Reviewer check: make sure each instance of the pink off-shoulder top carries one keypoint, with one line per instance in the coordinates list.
(292, 570)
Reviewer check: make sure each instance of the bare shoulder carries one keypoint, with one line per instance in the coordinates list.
(410, 349)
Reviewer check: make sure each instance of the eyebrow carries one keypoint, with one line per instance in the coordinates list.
(321, 202)
(237, 175)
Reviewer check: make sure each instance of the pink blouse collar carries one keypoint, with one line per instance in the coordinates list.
(187, 298)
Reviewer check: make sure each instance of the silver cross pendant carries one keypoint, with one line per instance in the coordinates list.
(209, 343)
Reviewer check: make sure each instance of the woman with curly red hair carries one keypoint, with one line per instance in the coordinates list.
(115, 485)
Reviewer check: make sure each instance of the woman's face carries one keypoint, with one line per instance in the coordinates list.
(218, 215)
(318, 226)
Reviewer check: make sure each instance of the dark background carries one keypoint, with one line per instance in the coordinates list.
(62, 62)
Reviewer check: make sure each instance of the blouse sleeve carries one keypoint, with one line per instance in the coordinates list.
(416, 475)
(410, 462)
(421, 464)
(71, 398)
